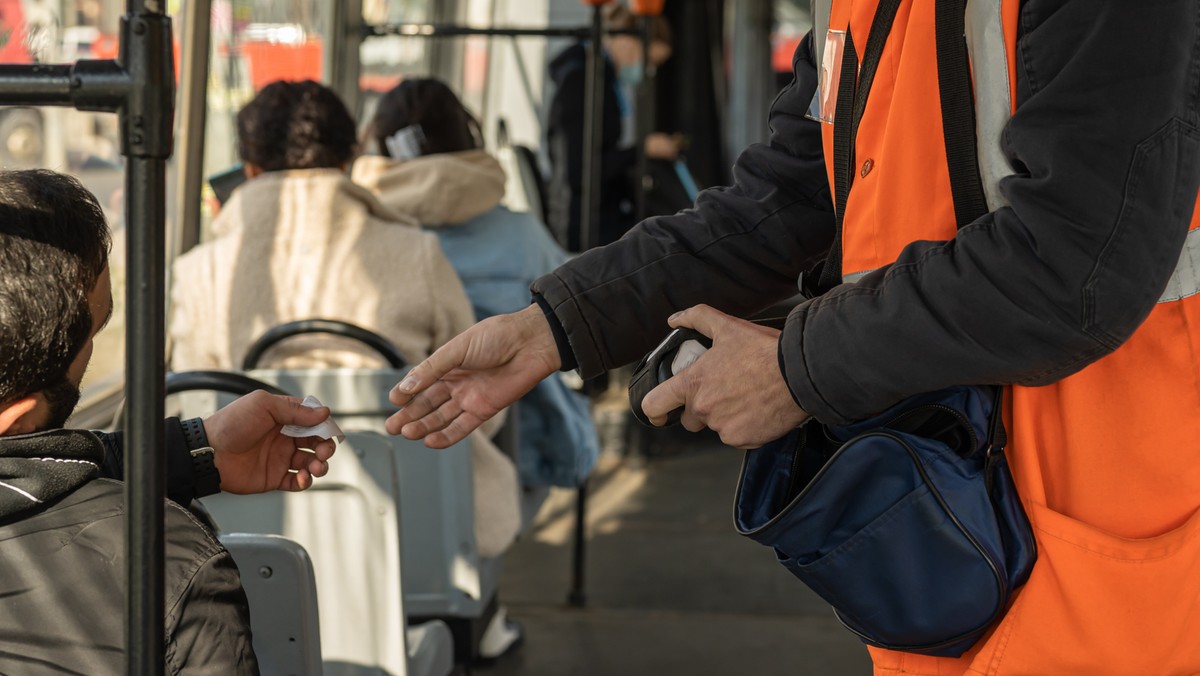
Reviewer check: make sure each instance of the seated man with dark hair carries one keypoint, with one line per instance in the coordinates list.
(62, 529)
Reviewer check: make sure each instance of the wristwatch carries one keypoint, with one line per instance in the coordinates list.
(205, 477)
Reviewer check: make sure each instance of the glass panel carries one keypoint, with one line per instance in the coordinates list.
(254, 43)
(386, 60)
(792, 23)
(85, 145)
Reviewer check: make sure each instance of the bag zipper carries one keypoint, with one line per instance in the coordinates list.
(955, 413)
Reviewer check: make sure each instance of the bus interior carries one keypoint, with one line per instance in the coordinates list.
(375, 569)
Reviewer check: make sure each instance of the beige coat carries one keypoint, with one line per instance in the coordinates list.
(309, 244)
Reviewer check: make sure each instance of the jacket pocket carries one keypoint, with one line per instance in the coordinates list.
(1101, 604)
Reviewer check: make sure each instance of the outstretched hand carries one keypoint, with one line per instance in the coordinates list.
(735, 388)
(251, 453)
(473, 377)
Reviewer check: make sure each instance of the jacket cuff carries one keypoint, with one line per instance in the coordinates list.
(795, 360)
(565, 355)
(580, 342)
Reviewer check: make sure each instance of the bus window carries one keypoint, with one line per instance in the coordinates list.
(385, 60)
(252, 45)
(85, 145)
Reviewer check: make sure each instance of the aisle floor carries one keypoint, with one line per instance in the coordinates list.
(671, 588)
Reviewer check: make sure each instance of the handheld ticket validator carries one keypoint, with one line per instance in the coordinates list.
(678, 351)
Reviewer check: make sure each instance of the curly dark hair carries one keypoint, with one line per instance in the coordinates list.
(447, 125)
(296, 125)
(54, 243)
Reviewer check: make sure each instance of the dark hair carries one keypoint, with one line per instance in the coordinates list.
(447, 125)
(53, 246)
(617, 16)
(296, 125)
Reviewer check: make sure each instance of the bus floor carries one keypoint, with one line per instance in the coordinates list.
(671, 588)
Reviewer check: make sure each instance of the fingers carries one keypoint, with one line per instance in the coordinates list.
(289, 411)
(456, 431)
(435, 421)
(296, 481)
(418, 407)
(444, 360)
(667, 397)
(703, 318)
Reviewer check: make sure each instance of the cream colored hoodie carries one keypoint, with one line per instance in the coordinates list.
(441, 189)
(309, 244)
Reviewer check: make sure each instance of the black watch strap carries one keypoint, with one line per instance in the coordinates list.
(206, 478)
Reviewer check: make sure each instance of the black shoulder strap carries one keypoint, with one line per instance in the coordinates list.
(854, 86)
(958, 112)
(958, 118)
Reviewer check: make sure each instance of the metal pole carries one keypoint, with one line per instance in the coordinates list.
(193, 116)
(593, 124)
(146, 138)
(644, 120)
(35, 85)
(450, 30)
(577, 598)
(340, 65)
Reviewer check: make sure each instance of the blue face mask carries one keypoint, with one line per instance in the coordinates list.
(631, 75)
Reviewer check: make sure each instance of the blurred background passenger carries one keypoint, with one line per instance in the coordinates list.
(434, 169)
(564, 130)
(299, 240)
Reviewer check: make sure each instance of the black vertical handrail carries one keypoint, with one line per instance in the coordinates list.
(147, 118)
(593, 136)
(644, 119)
(140, 86)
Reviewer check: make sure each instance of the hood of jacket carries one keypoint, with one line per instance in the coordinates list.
(39, 468)
(436, 190)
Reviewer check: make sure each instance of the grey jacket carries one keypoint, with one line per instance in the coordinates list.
(63, 579)
(1106, 144)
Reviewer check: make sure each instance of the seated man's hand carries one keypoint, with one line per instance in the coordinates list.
(735, 388)
(251, 453)
(473, 377)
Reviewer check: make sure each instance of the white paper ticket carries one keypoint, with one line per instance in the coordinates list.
(326, 429)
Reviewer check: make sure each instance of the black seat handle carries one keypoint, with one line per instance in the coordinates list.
(335, 327)
(229, 382)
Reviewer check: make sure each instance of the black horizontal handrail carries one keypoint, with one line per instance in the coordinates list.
(230, 382)
(432, 30)
(334, 327)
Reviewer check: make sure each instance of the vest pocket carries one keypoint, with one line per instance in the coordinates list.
(1101, 604)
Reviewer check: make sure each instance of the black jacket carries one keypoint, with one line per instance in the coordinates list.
(564, 137)
(1106, 142)
(63, 579)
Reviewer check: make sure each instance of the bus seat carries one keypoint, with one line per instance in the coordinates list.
(444, 576)
(281, 588)
(525, 187)
(349, 524)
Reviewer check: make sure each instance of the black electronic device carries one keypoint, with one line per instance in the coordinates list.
(224, 183)
(678, 351)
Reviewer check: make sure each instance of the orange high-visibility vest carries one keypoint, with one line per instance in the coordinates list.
(1107, 461)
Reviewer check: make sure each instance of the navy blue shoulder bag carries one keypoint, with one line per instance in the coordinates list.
(908, 523)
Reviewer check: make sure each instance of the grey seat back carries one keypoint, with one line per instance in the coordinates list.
(444, 575)
(280, 585)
